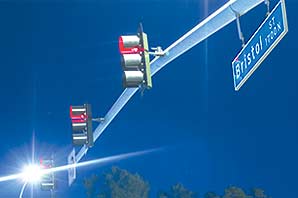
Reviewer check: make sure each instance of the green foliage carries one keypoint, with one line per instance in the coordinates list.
(123, 184)
(102, 195)
(259, 193)
(177, 191)
(119, 183)
(90, 186)
(162, 194)
(211, 195)
(234, 192)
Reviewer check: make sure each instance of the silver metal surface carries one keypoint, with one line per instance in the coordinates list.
(131, 61)
(130, 41)
(132, 78)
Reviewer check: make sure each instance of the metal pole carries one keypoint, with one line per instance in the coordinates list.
(52, 194)
(22, 190)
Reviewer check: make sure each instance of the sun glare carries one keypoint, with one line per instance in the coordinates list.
(31, 173)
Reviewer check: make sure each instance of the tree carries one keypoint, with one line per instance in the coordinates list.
(90, 186)
(177, 191)
(211, 195)
(162, 194)
(119, 183)
(259, 193)
(234, 192)
(123, 184)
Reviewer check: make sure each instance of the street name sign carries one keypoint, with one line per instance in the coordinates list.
(259, 46)
(71, 159)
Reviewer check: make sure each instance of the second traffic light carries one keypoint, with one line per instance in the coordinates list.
(81, 122)
(47, 180)
(135, 60)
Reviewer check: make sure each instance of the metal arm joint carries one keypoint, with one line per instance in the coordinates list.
(157, 51)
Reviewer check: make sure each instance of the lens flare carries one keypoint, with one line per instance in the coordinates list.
(33, 173)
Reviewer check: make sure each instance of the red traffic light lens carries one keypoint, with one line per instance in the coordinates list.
(128, 50)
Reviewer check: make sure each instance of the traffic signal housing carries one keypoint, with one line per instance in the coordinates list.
(47, 182)
(81, 122)
(135, 60)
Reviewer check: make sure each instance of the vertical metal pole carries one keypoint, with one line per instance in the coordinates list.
(54, 185)
(89, 132)
(52, 193)
(22, 190)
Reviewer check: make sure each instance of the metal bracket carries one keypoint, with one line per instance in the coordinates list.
(267, 3)
(241, 37)
(142, 89)
(98, 119)
(157, 51)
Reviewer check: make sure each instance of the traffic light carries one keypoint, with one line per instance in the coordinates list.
(47, 180)
(81, 122)
(135, 60)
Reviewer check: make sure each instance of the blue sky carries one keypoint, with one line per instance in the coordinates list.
(54, 54)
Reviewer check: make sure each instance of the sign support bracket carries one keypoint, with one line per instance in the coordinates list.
(267, 3)
(241, 37)
(271, 31)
